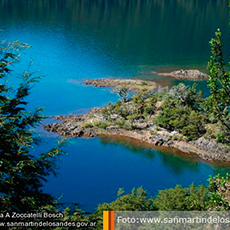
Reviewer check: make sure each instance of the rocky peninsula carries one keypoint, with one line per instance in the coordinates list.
(130, 84)
(191, 74)
(142, 117)
(89, 126)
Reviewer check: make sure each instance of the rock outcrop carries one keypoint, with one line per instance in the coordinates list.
(212, 149)
(185, 74)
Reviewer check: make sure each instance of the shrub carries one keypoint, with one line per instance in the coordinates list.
(223, 137)
(87, 125)
(186, 96)
(126, 125)
(150, 106)
(100, 124)
(182, 199)
(219, 197)
(194, 127)
(183, 110)
(182, 119)
(136, 200)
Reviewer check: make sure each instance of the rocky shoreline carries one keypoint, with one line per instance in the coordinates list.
(185, 74)
(134, 118)
(130, 84)
(80, 126)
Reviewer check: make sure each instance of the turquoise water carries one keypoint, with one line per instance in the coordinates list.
(74, 40)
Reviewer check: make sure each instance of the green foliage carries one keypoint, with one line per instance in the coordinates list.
(182, 199)
(100, 124)
(124, 113)
(21, 174)
(138, 100)
(213, 197)
(136, 200)
(123, 93)
(150, 105)
(180, 111)
(219, 84)
(125, 125)
(185, 96)
(219, 197)
(222, 137)
(87, 125)
(193, 126)
(172, 118)
(134, 117)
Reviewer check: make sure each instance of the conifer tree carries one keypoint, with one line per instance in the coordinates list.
(21, 173)
(219, 84)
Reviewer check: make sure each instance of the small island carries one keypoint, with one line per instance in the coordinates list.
(191, 74)
(163, 117)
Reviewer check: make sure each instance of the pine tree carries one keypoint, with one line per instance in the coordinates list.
(21, 173)
(219, 84)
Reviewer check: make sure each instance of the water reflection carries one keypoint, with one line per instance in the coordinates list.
(139, 32)
(175, 161)
(140, 149)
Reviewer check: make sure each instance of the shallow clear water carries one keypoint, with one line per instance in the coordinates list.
(74, 40)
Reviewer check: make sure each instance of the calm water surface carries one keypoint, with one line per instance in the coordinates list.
(74, 40)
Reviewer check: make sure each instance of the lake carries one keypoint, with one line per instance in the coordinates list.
(78, 39)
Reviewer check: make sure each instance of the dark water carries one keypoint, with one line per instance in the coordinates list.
(78, 39)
